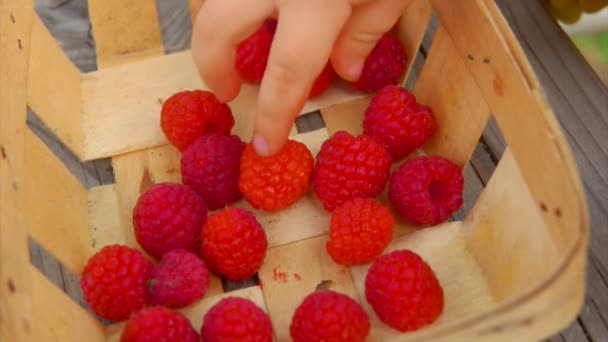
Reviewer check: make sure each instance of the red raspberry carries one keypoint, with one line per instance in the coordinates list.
(168, 216)
(329, 316)
(186, 115)
(323, 81)
(359, 231)
(384, 66)
(236, 319)
(114, 282)
(426, 190)
(233, 243)
(252, 53)
(394, 119)
(404, 291)
(276, 182)
(158, 324)
(178, 280)
(210, 166)
(349, 167)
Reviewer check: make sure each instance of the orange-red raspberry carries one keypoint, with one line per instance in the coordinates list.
(404, 291)
(114, 282)
(348, 167)
(186, 115)
(235, 319)
(329, 316)
(233, 243)
(426, 190)
(384, 66)
(276, 182)
(394, 119)
(158, 324)
(359, 231)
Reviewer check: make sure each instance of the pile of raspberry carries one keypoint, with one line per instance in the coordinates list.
(186, 231)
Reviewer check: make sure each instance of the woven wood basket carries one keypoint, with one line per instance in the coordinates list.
(513, 270)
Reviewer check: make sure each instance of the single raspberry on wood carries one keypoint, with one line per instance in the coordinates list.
(348, 167)
(385, 65)
(276, 182)
(158, 324)
(329, 316)
(114, 282)
(186, 115)
(360, 229)
(233, 243)
(168, 216)
(394, 119)
(236, 319)
(178, 280)
(404, 291)
(210, 166)
(427, 190)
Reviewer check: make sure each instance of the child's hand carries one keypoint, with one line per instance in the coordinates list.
(309, 32)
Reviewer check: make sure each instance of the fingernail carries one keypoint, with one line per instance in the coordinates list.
(260, 145)
(355, 71)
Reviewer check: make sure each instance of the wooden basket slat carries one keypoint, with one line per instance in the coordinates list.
(55, 206)
(57, 317)
(125, 31)
(523, 116)
(53, 90)
(460, 110)
(410, 29)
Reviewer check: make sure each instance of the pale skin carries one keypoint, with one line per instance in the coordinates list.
(309, 33)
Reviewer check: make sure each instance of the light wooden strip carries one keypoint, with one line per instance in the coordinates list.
(196, 312)
(291, 272)
(122, 104)
(125, 31)
(346, 116)
(104, 217)
(16, 301)
(57, 317)
(460, 111)
(410, 29)
(528, 125)
(54, 88)
(55, 206)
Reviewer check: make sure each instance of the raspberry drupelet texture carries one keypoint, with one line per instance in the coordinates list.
(384, 66)
(329, 316)
(360, 229)
(276, 182)
(233, 243)
(210, 166)
(235, 319)
(404, 291)
(252, 53)
(348, 167)
(178, 280)
(427, 190)
(395, 120)
(186, 115)
(168, 216)
(155, 324)
(114, 282)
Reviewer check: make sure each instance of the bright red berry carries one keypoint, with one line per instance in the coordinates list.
(329, 316)
(178, 280)
(168, 216)
(186, 115)
(349, 167)
(426, 190)
(394, 119)
(158, 324)
(359, 231)
(384, 66)
(404, 291)
(233, 243)
(323, 81)
(276, 182)
(252, 53)
(211, 166)
(114, 282)
(236, 319)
